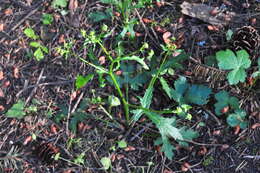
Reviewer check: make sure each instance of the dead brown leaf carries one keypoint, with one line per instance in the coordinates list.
(1, 75)
(166, 37)
(16, 73)
(73, 5)
(8, 11)
(256, 125)
(1, 26)
(102, 60)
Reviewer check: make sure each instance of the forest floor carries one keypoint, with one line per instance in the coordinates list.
(61, 111)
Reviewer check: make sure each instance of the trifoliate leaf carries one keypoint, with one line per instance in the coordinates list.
(17, 110)
(198, 94)
(227, 60)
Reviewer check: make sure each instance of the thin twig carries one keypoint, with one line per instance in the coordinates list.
(35, 88)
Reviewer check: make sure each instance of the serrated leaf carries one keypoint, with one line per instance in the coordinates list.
(29, 32)
(223, 100)
(180, 86)
(167, 148)
(237, 118)
(81, 81)
(227, 60)
(16, 111)
(166, 87)
(198, 94)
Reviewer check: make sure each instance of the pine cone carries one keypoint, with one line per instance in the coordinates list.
(246, 38)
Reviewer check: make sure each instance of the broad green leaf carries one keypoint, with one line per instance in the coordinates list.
(59, 3)
(106, 162)
(81, 81)
(17, 110)
(100, 16)
(113, 101)
(45, 49)
(237, 118)
(77, 117)
(181, 87)
(47, 19)
(122, 144)
(198, 94)
(167, 148)
(236, 76)
(35, 44)
(38, 54)
(223, 100)
(29, 32)
(227, 60)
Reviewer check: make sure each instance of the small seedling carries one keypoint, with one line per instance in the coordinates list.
(47, 19)
(237, 119)
(40, 49)
(106, 162)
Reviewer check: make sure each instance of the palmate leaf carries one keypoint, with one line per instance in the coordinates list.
(198, 94)
(181, 87)
(223, 100)
(227, 60)
(237, 118)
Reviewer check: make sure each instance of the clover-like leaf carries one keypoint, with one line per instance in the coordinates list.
(227, 60)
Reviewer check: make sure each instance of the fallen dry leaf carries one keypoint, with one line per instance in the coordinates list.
(16, 73)
(166, 37)
(102, 60)
(2, 108)
(54, 129)
(203, 150)
(185, 167)
(8, 11)
(1, 26)
(146, 20)
(73, 5)
(256, 125)
(2, 93)
(130, 148)
(27, 140)
(1, 75)
(160, 29)
(61, 38)
(73, 95)
(236, 129)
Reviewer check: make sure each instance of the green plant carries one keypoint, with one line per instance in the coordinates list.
(47, 19)
(40, 49)
(237, 119)
(223, 101)
(60, 5)
(81, 81)
(65, 50)
(18, 110)
(106, 162)
(238, 63)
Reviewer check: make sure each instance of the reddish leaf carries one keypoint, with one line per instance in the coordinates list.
(16, 73)
(1, 26)
(27, 140)
(237, 129)
(256, 125)
(146, 20)
(1, 75)
(102, 60)
(8, 11)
